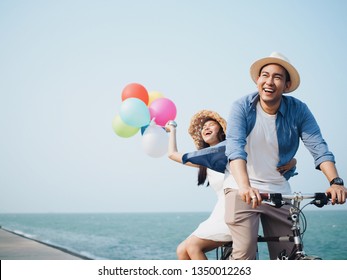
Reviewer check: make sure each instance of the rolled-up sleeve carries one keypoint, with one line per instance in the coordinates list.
(312, 138)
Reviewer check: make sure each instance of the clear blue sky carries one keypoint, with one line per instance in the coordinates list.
(63, 65)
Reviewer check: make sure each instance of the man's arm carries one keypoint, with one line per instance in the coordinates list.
(337, 192)
(238, 168)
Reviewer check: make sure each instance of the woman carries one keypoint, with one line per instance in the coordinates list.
(207, 128)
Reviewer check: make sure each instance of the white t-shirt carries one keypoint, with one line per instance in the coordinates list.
(262, 159)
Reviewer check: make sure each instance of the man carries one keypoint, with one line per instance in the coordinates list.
(263, 134)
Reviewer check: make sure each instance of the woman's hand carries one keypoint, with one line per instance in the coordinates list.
(170, 125)
(285, 168)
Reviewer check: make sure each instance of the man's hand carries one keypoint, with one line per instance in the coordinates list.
(337, 194)
(250, 196)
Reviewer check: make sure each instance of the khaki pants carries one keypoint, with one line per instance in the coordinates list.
(243, 222)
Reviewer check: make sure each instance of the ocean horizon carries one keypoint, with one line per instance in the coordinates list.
(155, 235)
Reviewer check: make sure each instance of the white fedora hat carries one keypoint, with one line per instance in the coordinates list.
(276, 58)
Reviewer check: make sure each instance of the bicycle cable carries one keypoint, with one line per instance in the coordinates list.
(303, 220)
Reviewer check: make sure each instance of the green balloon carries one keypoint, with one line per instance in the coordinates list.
(122, 129)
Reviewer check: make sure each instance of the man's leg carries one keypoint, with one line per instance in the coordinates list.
(275, 222)
(243, 222)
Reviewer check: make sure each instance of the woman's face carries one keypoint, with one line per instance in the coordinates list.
(209, 132)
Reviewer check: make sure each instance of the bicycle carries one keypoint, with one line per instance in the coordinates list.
(295, 212)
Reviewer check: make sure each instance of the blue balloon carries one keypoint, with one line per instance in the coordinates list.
(143, 129)
(134, 112)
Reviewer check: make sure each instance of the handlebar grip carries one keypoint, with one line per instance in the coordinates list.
(321, 199)
(265, 195)
(275, 198)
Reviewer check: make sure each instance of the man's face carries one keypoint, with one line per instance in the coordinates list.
(271, 84)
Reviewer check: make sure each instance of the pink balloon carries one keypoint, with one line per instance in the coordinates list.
(163, 110)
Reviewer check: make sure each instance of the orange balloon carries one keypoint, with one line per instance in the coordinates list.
(135, 90)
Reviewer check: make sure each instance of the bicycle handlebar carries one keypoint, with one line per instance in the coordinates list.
(319, 199)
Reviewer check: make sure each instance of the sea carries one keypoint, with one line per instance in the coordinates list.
(155, 236)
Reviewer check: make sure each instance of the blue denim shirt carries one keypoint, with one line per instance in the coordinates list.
(294, 122)
(211, 157)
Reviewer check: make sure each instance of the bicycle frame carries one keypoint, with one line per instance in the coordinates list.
(294, 200)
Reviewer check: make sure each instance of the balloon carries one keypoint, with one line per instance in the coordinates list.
(155, 141)
(143, 129)
(134, 112)
(122, 129)
(162, 110)
(135, 90)
(153, 95)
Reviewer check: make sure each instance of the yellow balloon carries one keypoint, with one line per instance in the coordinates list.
(153, 95)
(122, 129)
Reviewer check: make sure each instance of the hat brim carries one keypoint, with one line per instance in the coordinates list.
(259, 64)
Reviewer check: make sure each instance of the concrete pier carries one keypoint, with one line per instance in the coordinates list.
(14, 246)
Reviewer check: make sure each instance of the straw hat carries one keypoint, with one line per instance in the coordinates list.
(197, 123)
(276, 58)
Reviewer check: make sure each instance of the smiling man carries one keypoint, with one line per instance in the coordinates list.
(263, 134)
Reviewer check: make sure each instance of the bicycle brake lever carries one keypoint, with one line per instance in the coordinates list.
(269, 203)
